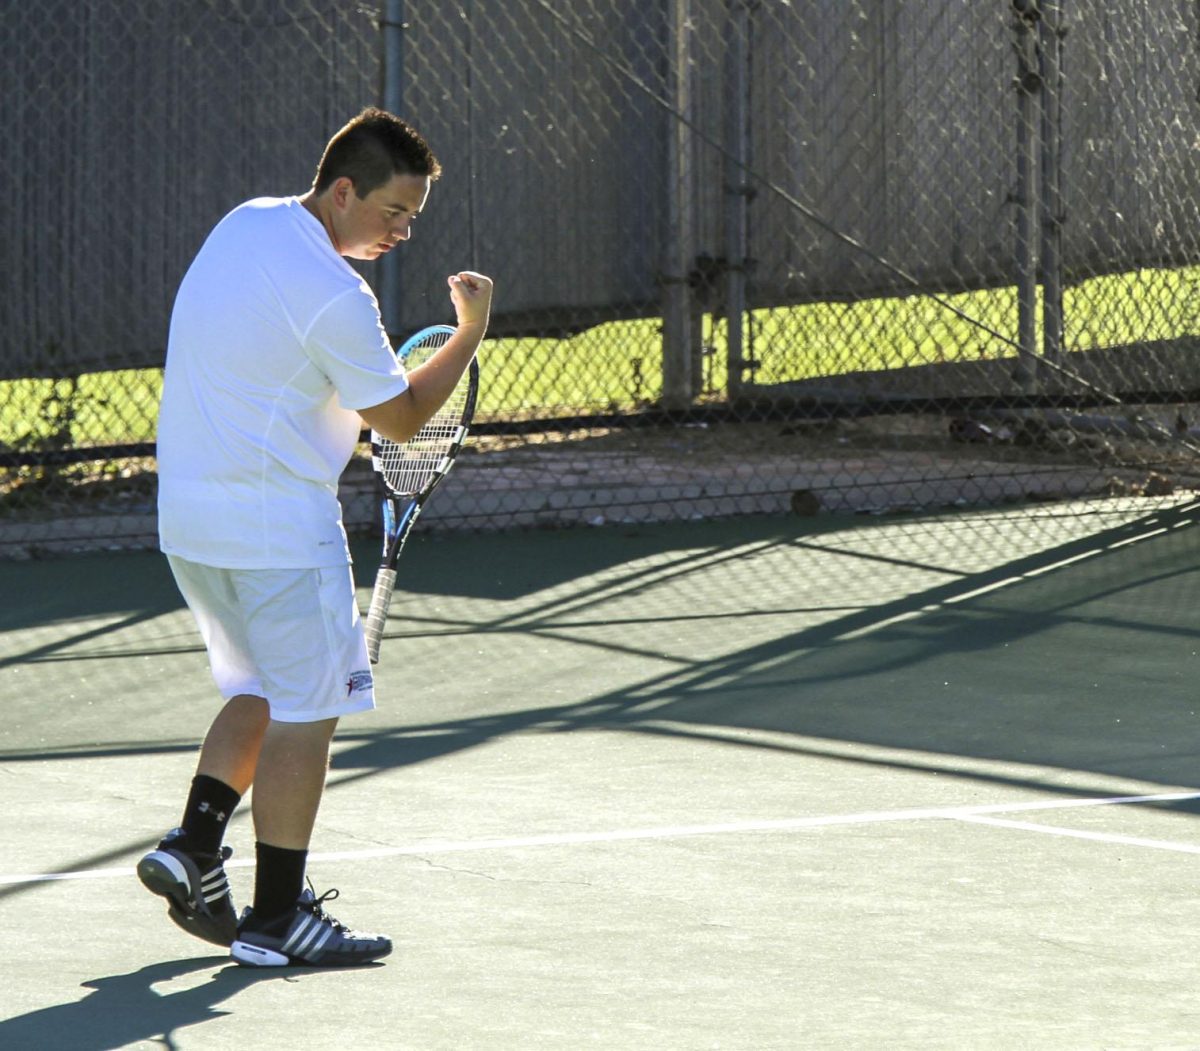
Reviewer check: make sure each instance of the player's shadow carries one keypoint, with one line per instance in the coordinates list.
(124, 1009)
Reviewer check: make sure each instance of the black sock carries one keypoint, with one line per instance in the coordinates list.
(278, 881)
(209, 806)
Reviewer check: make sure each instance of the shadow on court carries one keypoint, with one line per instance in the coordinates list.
(1080, 657)
(600, 681)
(125, 1009)
(996, 664)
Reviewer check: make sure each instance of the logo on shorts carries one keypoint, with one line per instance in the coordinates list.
(359, 680)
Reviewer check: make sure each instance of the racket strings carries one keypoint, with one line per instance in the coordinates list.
(407, 466)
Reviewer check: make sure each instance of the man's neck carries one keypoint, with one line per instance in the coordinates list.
(317, 206)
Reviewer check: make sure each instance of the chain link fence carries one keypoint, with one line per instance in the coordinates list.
(751, 255)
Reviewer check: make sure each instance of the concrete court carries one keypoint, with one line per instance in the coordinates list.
(756, 783)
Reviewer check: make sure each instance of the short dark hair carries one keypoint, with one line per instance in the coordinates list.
(370, 149)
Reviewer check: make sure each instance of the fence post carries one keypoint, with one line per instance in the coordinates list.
(681, 321)
(1051, 32)
(393, 102)
(737, 190)
(1028, 84)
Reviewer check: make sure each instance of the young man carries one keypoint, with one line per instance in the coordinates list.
(276, 356)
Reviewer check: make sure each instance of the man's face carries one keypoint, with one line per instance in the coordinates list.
(366, 228)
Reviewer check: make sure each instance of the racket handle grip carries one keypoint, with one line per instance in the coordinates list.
(381, 599)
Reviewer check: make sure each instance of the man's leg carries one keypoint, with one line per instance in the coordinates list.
(289, 780)
(287, 925)
(288, 785)
(187, 868)
(232, 745)
(224, 773)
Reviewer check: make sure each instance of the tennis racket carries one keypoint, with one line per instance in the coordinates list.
(408, 472)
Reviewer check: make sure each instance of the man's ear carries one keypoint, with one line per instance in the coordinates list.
(341, 190)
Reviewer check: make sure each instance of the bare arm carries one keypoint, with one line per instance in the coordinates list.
(429, 385)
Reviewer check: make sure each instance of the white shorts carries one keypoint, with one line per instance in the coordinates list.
(292, 636)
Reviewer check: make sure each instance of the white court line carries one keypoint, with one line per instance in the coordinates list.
(967, 813)
(1078, 833)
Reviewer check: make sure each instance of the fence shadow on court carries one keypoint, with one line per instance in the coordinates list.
(1073, 658)
(1069, 658)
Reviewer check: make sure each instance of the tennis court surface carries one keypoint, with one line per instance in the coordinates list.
(755, 783)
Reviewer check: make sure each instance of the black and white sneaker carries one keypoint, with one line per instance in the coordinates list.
(197, 892)
(307, 935)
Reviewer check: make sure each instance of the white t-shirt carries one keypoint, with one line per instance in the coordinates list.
(274, 341)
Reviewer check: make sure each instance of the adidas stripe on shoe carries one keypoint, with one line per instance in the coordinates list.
(308, 935)
(195, 886)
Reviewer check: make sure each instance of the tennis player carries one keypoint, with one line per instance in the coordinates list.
(276, 356)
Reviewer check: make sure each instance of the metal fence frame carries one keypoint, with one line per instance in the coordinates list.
(747, 155)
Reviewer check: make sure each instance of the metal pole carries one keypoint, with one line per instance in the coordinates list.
(393, 102)
(737, 188)
(1028, 84)
(681, 330)
(1051, 33)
